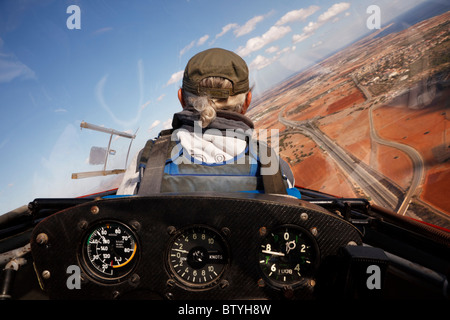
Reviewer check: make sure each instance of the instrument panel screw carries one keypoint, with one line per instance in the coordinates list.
(94, 209)
(314, 231)
(304, 216)
(225, 231)
(135, 279)
(42, 238)
(261, 283)
(169, 295)
(288, 292)
(170, 283)
(263, 231)
(46, 274)
(171, 230)
(83, 224)
(135, 225)
(83, 278)
(223, 284)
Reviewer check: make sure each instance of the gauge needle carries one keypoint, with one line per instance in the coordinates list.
(290, 245)
(180, 250)
(273, 253)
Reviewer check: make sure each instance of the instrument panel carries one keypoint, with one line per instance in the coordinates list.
(207, 246)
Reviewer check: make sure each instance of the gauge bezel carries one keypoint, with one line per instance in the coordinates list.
(189, 285)
(91, 270)
(304, 280)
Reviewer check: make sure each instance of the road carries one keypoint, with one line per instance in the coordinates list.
(417, 164)
(368, 183)
(414, 155)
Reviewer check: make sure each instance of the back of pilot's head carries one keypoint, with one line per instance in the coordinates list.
(215, 79)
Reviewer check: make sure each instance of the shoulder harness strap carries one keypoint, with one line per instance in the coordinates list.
(154, 158)
(273, 183)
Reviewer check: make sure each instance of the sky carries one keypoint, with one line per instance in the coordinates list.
(119, 64)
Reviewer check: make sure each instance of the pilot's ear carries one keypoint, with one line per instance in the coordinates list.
(180, 98)
(248, 100)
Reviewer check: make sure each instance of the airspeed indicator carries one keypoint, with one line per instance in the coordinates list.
(197, 257)
(109, 251)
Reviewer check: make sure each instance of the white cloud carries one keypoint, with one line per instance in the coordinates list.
(334, 10)
(285, 50)
(167, 124)
(318, 43)
(177, 76)
(60, 110)
(239, 31)
(311, 27)
(102, 31)
(328, 15)
(300, 37)
(272, 49)
(187, 48)
(154, 125)
(145, 105)
(248, 27)
(193, 43)
(161, 97)
(202, 40)
(297, 15)
(261, 62)
(256, 43)
(226, 29)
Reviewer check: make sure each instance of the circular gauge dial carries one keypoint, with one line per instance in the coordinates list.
(288, 255)
(197, 256)
(110, 250)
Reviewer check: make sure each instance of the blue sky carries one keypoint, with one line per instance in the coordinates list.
(122, 70)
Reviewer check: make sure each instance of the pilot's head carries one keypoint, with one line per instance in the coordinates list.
(215, 79)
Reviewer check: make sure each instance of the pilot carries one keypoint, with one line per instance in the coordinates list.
(212, 145)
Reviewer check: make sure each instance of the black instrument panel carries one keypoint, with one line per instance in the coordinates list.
(202, 246)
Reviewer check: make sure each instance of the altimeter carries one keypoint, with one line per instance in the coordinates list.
(288, 256)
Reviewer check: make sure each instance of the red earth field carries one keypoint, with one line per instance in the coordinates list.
(340, 93)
